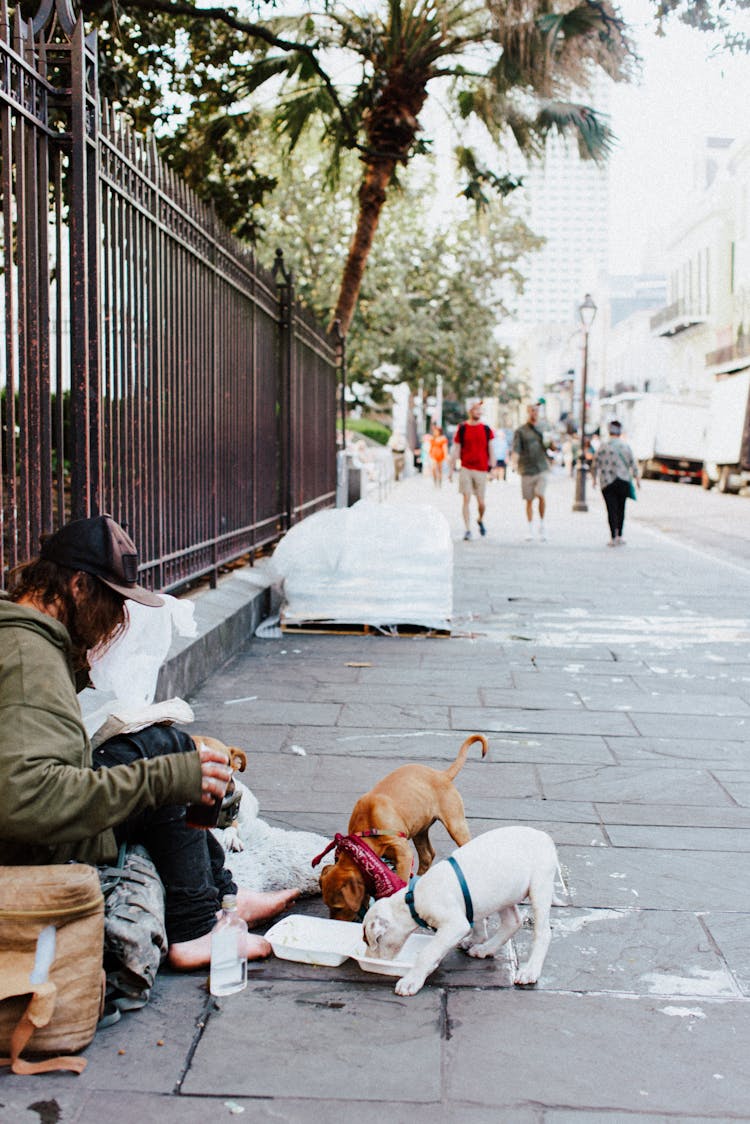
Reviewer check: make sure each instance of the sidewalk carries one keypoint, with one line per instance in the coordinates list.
(614, 688)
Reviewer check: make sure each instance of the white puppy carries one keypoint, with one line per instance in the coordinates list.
(500, 869)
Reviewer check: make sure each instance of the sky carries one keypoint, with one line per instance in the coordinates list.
(684, 95)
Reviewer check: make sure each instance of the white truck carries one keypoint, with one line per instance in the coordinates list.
(727, 459)
(667, 435)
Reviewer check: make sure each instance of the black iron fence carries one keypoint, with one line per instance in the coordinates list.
(149, 366)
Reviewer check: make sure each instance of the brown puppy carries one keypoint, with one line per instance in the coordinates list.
(237, 758)
(403, 806)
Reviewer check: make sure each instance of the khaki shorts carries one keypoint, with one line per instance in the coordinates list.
(472, 483)
(535, 485)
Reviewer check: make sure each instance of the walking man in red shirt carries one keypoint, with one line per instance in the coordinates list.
(472, 445)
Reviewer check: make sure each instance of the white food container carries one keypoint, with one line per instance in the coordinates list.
(403, 962)
(314, 940)
(319, 940)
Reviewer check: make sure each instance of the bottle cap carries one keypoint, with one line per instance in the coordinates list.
(229, 901)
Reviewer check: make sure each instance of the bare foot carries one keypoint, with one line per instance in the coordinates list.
(257, 948)
(187, 955)
(255, 907)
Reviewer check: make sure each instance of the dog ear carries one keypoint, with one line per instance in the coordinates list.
(376, 927)
(237, 759)
(353, 892)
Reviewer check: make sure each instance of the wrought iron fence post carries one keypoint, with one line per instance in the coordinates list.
(142, 346)
(341, 365)
(286, 355)
(85, 389)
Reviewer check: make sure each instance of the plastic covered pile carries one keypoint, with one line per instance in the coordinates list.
(370, 564)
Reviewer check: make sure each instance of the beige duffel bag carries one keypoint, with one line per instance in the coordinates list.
(54, 1008)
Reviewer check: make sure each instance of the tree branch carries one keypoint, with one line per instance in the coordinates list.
(254, 31)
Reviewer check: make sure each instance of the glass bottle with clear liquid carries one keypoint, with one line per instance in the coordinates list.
(228, 962)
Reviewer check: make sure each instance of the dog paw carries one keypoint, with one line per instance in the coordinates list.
(480, 951)
(524, 977)
(408, 985)
(232, 841)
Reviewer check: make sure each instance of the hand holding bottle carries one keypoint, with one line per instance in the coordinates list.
(216, 775)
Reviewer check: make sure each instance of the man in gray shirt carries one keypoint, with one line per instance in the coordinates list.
(530, 461)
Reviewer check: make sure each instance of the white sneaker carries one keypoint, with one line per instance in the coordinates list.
(542, 536)
(529, 535)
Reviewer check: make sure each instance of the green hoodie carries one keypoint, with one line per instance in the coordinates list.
(53, 806)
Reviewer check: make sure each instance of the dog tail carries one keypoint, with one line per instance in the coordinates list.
(453, 770)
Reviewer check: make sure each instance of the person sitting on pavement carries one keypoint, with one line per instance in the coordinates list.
(58, 802)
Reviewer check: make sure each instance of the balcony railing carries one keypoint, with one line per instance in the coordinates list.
(677, 317)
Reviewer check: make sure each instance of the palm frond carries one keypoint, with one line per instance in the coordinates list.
(261, 71)
(297, 112)
(541, 48)
(592, 31)
(482, 184)
(595, 138)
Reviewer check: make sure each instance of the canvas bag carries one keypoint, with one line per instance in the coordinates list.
(59, 1014)
(135, 936)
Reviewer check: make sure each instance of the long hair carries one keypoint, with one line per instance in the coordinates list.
(92, 623)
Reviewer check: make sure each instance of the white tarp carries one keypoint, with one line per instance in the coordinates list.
(124, 677)
(372, 564)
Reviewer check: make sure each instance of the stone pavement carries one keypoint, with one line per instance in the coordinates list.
(614, 687)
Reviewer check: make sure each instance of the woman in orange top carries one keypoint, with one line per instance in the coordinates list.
(438, 453)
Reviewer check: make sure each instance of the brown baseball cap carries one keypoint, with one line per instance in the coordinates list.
(98, 545)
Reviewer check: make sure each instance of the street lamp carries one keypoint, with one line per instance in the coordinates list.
(587, 312)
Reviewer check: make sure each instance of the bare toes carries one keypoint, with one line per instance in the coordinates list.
(256, 948)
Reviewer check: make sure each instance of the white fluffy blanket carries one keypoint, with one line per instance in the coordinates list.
(262, 857)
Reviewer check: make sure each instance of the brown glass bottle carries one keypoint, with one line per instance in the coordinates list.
(203, 815)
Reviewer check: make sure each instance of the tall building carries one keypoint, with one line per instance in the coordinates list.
(568, 206)
(567, 203)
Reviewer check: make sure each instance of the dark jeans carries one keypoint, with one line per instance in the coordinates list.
(615, 495)
(190, 861)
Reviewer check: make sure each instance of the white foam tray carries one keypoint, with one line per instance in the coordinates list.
(319, 940)
(406, 957)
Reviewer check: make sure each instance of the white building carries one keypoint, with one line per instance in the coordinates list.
(708, 270)
(568, 205)
(636, 360)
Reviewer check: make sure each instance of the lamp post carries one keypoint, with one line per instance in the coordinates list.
(587, 312)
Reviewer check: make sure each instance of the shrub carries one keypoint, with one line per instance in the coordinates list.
(375, 430)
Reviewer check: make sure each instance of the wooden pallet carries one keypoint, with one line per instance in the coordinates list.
(341, 628)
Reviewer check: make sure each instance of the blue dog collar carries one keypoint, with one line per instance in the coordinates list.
(409, 899)
(464, 889)
(468, 904)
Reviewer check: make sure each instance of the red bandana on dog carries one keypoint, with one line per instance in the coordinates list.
(380, 880)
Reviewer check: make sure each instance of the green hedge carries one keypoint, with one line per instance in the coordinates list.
(368, 428)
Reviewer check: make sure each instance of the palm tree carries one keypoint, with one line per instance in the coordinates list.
(362, 78)
(512, 66)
